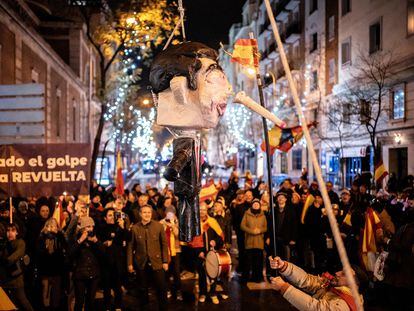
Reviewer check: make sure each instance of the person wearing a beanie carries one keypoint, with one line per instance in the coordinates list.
(85, 252)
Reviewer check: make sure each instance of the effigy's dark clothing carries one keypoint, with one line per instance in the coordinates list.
(184, 170)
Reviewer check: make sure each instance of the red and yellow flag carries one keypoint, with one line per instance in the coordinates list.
(380, 172)
(309, 201)
(368, 243)
(284, 139)
(119, 182)
(243, 52)
(59, 216)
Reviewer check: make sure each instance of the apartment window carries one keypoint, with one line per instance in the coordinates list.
(365, 111)
(74, 119)
(375, 37)
(331, 28)
(314, 81)
(283, 163)
(410, 17)
(398, 102)
(34, 76)
(346, 112)
(346, 7)
(331, 70)
(313, 42)
(297, 159)
(313, 6)
(57, 114)
(346, 52)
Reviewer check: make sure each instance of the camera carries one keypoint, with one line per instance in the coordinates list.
(91, 234)
(119, 215)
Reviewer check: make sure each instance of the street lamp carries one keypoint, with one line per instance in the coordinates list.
(271, 74)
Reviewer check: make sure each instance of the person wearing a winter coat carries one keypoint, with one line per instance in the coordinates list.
(50, 257)
(11, 258)
(315, 293)
(85, 253)
(254, 225)
(114, 237)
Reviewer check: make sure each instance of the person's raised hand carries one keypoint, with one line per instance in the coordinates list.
(277, 283)
(121, 222)
(93, 239)
(83, 237)
(276, 263)
(108, 243)
(165, 266)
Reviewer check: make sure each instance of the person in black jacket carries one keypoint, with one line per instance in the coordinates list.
(224, 220)
(12, 259)
(85, 253)
(237, 208)
(286, 227)
(50, 260)
(114, 237)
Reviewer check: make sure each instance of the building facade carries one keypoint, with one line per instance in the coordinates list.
(325, 42)
(47, 77)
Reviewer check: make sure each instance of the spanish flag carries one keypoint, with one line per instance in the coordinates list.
(368, 242)
(59, 216)
(119, 182)
(380, 172)
(284, 139)
(209, 191)
(243, 52)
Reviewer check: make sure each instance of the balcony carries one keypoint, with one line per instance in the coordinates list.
(293, 32)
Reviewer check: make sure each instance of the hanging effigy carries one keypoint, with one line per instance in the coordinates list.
(191, 92)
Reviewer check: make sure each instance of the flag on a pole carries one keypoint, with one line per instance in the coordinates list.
(284, 139)
(119, 182)
(243, 52)
(380, 172)
(368, 243)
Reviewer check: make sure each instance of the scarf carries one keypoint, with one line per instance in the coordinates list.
(342, 291)
(171, 241)
(210, 222)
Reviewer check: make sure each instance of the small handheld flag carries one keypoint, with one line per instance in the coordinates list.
(284, 139)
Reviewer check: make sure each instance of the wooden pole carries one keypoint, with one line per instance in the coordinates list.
(266, 136)
(332, 220)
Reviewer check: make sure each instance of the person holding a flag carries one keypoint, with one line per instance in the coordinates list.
(315, 293)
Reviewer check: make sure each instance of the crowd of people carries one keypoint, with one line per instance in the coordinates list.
(58, 252)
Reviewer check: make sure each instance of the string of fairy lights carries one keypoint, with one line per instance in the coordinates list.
(131, 126)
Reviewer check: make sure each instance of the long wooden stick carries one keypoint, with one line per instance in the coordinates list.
(266, 136)
(332, 220)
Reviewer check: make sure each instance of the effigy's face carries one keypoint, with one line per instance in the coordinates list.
(181, 107)
(213, 91)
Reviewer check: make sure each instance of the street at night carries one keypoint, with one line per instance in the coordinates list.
(206, 155)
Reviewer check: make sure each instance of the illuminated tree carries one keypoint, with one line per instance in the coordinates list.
(124, 34)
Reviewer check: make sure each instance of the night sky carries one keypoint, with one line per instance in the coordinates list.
(209, 21)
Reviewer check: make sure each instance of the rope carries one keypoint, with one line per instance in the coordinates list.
(332, 220)
(181, 10)
(177, 26)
